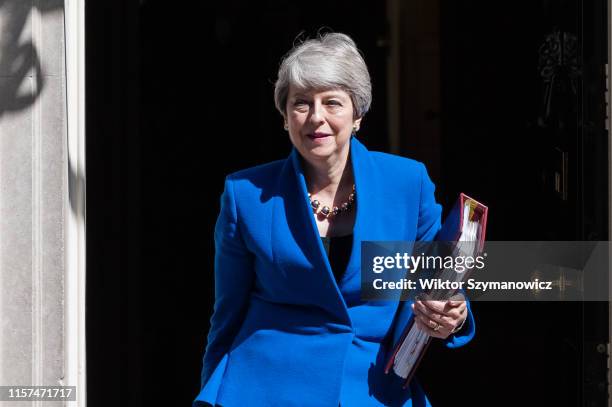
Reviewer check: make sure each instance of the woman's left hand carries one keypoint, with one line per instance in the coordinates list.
(440, 319)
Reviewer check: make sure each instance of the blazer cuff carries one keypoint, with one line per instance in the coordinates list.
(210, 388)
(465, 334)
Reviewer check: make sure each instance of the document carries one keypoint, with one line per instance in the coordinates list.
(465, 229)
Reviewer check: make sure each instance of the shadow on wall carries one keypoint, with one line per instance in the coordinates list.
(20, 61)
(19, 58)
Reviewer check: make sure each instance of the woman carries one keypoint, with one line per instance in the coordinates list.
(289, 328)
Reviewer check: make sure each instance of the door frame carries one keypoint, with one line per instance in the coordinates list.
(74, 204)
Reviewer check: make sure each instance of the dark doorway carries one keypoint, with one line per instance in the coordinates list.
(180, 95)
(522, 127)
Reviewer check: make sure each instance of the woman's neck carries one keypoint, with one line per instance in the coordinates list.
(328, 177)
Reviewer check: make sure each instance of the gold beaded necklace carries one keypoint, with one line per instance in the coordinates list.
(329, 213)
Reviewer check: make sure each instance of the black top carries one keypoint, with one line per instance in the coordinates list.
(338, 249)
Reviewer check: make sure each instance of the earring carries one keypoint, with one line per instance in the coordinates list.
(286, 127)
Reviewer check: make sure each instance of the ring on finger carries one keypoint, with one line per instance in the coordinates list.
(436, 326)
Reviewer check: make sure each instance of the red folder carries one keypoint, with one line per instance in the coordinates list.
(467, 222)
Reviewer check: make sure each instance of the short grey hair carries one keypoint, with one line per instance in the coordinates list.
(330, 61)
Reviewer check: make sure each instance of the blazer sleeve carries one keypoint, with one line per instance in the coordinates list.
(428, 226)
(234, 277)
(429, 210)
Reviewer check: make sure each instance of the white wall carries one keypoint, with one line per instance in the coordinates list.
(34, 207)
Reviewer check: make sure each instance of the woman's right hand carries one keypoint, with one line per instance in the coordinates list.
(440, 319)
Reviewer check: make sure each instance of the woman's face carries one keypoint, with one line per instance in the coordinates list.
(320, 122)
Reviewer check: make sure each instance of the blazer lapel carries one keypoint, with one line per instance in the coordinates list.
(362, 170)
(364, 220)
(314, 240)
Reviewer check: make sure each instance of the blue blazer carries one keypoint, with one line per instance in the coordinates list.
(283, 332)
